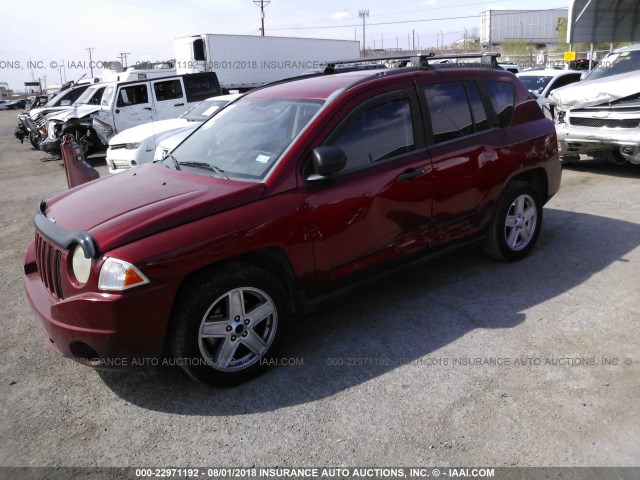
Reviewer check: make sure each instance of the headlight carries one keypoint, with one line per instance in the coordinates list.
(81, 265)
(132, 146)
(120, 275)
(560, 116)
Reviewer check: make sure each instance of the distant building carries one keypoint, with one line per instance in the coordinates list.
(536, 27)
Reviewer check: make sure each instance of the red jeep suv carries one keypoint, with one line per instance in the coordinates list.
(294, 191)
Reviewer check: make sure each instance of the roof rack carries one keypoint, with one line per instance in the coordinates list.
(424, 62)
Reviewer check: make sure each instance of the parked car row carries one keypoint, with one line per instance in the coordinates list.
(138, 145)
(94, 113)
(16, 104)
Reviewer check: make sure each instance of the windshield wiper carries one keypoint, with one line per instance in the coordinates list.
(206, 166)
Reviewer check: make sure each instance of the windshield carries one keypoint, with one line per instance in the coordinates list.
(203, 110)
(246, 138)
(535, 84)
(107, 96)
(616, 63)
(91, 96)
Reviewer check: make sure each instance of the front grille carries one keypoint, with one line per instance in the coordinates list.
(605, 122)
(49, 264)
(39, 121)
(117, 146)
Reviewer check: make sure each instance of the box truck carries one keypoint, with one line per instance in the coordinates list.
(242, 62)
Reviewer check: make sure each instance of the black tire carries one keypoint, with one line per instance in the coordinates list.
(516, 223)
(35, 141)
(569, 159)
(617, 159)
(242, 345)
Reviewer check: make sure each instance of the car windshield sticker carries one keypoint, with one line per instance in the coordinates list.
(262, 158)
(209, 111)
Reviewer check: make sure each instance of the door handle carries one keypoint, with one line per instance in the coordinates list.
(148, 108)
(178, 105)
(411, 174)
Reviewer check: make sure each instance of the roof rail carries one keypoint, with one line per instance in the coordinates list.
(422, 61)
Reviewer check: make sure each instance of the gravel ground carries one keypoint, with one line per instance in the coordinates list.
(461, 362)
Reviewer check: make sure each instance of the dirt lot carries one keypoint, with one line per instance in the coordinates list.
(462, 362)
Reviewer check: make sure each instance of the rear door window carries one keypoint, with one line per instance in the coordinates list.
(449, 111)
(168, 90)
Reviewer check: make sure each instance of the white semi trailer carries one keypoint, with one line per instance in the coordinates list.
(242, 62)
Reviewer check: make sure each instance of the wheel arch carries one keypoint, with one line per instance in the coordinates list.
(537, 178)
(271, 259)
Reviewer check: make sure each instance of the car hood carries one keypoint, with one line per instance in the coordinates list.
(152, 129)
(590, 93)
(172, 141)
(76, 112)
(120, 209)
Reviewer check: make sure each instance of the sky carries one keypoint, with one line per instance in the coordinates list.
(49, 35)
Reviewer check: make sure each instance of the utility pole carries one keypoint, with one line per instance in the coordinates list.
(123, 59)
(262, 4)
(363, 14)
(413, 35)
(90, 49)
(45, 84)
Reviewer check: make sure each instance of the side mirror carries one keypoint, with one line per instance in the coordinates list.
(327, 161)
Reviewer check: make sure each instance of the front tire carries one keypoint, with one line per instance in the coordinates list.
(34, 140)
(516, 223)
(229, 324)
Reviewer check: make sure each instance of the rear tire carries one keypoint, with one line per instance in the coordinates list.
(516, 223)
(229, 324)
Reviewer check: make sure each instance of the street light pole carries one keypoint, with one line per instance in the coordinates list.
(363, 14)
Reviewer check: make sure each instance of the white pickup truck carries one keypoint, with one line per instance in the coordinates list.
(128, 104)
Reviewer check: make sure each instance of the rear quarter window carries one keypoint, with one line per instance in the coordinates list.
(502, 95)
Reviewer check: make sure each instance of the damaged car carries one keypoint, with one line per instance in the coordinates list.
(600, 116)
(31, 123)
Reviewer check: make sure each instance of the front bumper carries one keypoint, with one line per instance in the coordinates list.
(574, 140)
(50, 145)
(121, 159)
(100, 329)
